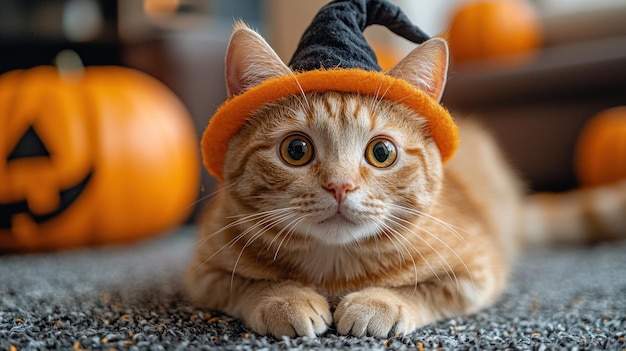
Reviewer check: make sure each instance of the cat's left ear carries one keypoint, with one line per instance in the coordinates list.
(426, 67)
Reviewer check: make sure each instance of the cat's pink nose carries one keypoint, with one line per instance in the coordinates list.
(340, 189)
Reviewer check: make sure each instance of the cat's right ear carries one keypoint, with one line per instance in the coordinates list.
(250, 60)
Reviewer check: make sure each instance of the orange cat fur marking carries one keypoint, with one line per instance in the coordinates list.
(232, 115)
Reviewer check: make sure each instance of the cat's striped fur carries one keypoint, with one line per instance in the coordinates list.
(294, 250)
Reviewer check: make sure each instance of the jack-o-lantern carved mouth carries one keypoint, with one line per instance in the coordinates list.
(68, 197)
(30, 146)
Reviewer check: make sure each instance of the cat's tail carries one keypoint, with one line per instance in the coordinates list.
(579, 216)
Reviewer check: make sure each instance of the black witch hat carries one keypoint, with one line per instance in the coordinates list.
(335, 37)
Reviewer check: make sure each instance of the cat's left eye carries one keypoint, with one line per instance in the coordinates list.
(381, 152)
(296, 150)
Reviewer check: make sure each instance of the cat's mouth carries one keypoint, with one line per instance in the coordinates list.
(337, 219)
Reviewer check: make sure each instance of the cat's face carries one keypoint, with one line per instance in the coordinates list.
(335, 167)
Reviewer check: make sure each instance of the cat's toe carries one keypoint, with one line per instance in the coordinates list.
(291, 311)
(375, 312)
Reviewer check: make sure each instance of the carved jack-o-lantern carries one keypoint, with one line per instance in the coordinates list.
(105, 156)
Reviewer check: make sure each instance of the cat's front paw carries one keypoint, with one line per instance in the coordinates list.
(289, 310)
(376, 312)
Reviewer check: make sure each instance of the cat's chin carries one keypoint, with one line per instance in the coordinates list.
(339, 230)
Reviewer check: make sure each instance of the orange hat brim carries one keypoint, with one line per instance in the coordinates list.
(233, 113)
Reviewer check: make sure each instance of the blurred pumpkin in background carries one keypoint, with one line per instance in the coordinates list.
(600, 156)
(491, 30)
(93, 156)
(386, 55)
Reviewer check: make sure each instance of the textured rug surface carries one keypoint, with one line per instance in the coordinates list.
(131, 298)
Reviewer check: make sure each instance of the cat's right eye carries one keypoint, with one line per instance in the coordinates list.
(296, 150)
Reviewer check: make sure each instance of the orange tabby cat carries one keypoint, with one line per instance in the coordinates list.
(336, 209)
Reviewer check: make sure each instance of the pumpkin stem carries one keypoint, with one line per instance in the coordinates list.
(69, 64)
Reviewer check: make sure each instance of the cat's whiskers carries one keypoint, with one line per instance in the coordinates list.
(375, 102)
(268, 224)
(292, 228)
(280, 232)
(246, 218)
(210, 195)
(398, 222)
(446, 245)
(450, 272)
(387, 229)
(378, 251)
(306, 105)
(450, 227)
(395, 234)
(378, 99)
(250, 217)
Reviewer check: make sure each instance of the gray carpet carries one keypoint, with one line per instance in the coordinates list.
(130, 297)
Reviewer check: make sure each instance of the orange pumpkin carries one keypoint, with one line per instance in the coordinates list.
(494, 29)
(600, 156)
(106, 156)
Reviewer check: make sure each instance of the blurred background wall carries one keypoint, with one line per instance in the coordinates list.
(536, 110)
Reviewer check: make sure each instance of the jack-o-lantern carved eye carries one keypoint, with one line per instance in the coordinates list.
(30, 145)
